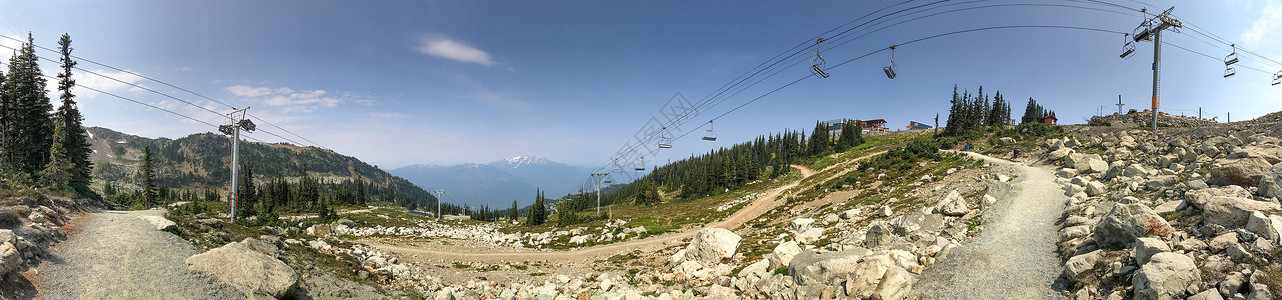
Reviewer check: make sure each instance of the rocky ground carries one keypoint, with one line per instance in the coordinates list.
(1181, 213)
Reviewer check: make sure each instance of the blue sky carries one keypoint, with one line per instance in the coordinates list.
(406, 82)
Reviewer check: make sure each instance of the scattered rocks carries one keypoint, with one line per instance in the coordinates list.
(710, 247)
(952, 205)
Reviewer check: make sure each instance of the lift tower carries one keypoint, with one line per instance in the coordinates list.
(238, 123)
(1153, 32)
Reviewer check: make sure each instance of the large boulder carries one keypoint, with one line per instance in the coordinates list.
(253, 273)
(1167, 275)
(952, 204)
(879, 233)
(868, 272)
(711, 246)
(160, 222)
(1233, 212)
(1127, 222)
(1271, 155)
(1242, 171)
(784, 253)
(9, 258)
(1198, 198)
(1145, 248)
(894, 285)
(814, 268)
(1271, 185)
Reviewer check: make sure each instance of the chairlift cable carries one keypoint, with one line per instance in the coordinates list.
(79, 58)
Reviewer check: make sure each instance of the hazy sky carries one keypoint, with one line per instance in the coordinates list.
(406, 82)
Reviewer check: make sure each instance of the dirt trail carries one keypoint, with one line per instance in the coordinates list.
(118, 255)
(752, 211)
(1014, 256)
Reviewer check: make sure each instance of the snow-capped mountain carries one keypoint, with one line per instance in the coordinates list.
(556, 178)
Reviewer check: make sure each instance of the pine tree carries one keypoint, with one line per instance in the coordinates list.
(512, 215)
(819, 141)
(247, 194)
(148, 179)
(58, 171)
(360, 191)
(75, 141)
(28, 126)
(535, 216)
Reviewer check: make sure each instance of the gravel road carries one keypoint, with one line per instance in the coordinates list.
(1014, 256)
(117, 255)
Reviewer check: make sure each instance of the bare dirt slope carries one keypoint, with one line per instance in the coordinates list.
(1014, 257)
(117, 255)
(753, 210)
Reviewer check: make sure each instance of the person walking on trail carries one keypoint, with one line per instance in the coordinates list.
(1015, 154)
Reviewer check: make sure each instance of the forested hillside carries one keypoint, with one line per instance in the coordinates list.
(203, 160)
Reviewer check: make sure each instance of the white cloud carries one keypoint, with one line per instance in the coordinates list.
(496, 100)
(305, 100)
(446, 48)
(1270, 21)
(388, 115)
(248, 91)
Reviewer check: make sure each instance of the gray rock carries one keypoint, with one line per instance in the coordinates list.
(1167, 275)
(247, 270)
(214, 223)
(1160, 182)
(1243, 171)
(1233, 284)
(801, 224)
(711, 246)
(1095, 188)
(1207, 295)
(758, 268)
(1222, 241)
(784, 253)
(1199, 197)
(9, 258)
(884, 211)
(1259, 290)
(1067, 173)
(7, 236)
(879, 234)
(862, 282)
(160, 222)
(1080, 265)
(810, 267)
(1270, 186)
(1006, 140)
(1127, 222)
(895, 285)
(1264, 226)
(1196, 184)
(952, 204)
(1134, 170)
(1073, 232)
(1233, 212)
(1238, 253)
(262, 247)
(1145, 248)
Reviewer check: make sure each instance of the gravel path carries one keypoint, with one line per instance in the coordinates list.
(118, 255)
(1014, 256)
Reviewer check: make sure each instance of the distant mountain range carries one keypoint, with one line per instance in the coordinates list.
(497, 183)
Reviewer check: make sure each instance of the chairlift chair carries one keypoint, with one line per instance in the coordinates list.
(817, 63)
(710, 135)
(891, 70)
(640, 164)
(1229, 72)
(664, 141)
(1232, 57)
(1277, 78)
(1128, 47)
